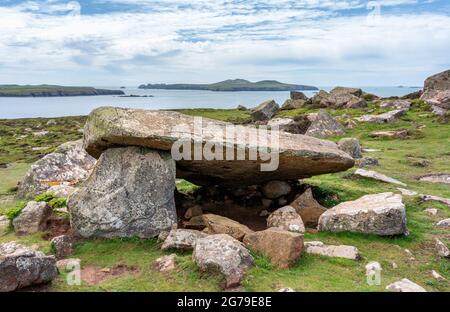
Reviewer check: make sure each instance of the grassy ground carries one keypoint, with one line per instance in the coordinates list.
(312, 273)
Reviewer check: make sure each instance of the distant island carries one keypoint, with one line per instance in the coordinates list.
(233, 85)
(50, 90)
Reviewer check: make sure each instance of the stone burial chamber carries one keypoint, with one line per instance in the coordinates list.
(131, 189)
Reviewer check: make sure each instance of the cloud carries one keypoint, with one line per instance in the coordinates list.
(305, 41)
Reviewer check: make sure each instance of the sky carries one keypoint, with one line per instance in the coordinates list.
(314, 42)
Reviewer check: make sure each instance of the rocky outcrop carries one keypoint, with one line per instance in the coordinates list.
(351, 146)
(308, 208)
(437, 92)
(216, 224)
(339, 97)
(69, 164)
(286, 218)
(380, 214)
(377, 176)
(283, 248)
(33, 218)
(387, 117)
(21, 266)
(405, 285)
(182, 239)
(323, 125)
(300, 156)
(224, 254)
(129, 193)
(265, 110)
(340, 251)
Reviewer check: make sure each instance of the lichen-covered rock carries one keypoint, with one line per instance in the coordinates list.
(129, 193)
(283, 248)
(299, 156)
(437, 92)
(351, 146)
(347, 90)
(69, 163)
(62, 190)
(21, 266)
(323, 125)
(338, 251)
(63, 246)
(405, 285)
(387, 117)
(183, 239)
(221, 225)
(33, 218)
(224, 254)
(377, 176)
(265, 110)
(380, 214)
(275, 189)
(308, 208)
(286, 218)
(396, 104)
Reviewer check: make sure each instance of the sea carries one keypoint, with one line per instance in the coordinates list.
(31, 107)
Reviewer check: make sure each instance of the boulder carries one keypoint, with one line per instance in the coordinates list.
(193, 211)
(69, 164)
(367, 162)
(308, 208)
(21, 266)
(390, 134)
(224, 254)
(33, 218)
(387, 117)
(283, 248)
(346, 90)
(340, 251)
(437, 92)
(221, 225)
(165, 263)
(377, 176)
(293, 104)
(444, 224)
(380, 214)
(265, 110)
(183, 239)
(405, 285)
(4, 224)
(275, 189)
(339, 97)
(129, 193)
(351, 146)
(299, 156)
(442, 249)
(395, 104)
(63, 246)
(323, 125)
(286, 218)
(440, 82)
(285, 124)
(297, 95)
(195, 223)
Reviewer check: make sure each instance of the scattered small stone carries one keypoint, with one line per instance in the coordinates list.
(63, 246)
(445, 224)
(163, 236)
(406, 192)
(33, 218)
(67, 265)
(283, 248)
(437, 276)
(51, 122)
(39, 148)
(21, 266)
(442, 249)
(165, 263)
(377, 176)
(40, 133)
(275, 189)
(367, 162)
(438, 199)
(286, 218)
(286, 289)
(370, 150)
(431, 212)
(282, 201)
(373, 268)
(223, 253)
(410, 255)
(394, 265)
(351, 146)
(183, 239)
(405, 285)
(436, 178)
(221, 225)
(421, 163)
(339, 251)
(390, 134)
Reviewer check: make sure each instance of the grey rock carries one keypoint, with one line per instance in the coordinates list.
(367, 162)
(293, 104)
(396, 104)
(444, 224)
(442, 200)
(351, 146)
(436, 178)
(405, 285)
(387, 117)
(442, 249)
(380, 214)
(63, 246)
(225, 254)
(69, 163)
(129, 193)
(308, 208)
(285, 124)
(216, 224)
(323, 125)
(68, 265)
(62, 190)
(183, 239)
(21, 266)
(439, 82)
(286, 218)
(265, 110)
(275, 189)
(297, 95)
(33, 218)
(431, 212)
(165, 263)
(337, 251)
(347, 90)
(377, 176)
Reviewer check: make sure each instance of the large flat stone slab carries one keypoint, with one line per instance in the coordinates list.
(300, 156)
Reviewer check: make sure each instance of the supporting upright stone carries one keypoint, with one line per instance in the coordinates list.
(129, 193)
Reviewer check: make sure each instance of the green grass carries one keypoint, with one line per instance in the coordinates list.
(311, 273)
